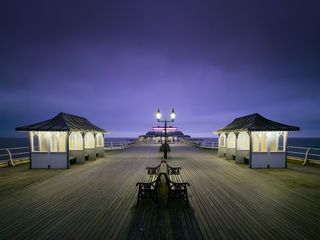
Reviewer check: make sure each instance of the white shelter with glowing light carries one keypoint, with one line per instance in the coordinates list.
(56, 142)
(255, 140)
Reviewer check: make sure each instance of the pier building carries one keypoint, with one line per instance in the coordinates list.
(256, 140)
(156, 134)
(64, 138)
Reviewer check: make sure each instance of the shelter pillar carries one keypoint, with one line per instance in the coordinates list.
(89, 147)
(231, 147)
(67, 149)
(236, 146)
(222, 147)
(250, 154)
(285, 145)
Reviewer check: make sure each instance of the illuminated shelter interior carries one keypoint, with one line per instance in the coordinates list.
(157, 135)
(65, 137)
(257, 140)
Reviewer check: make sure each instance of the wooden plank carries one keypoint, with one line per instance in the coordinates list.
(97, 200)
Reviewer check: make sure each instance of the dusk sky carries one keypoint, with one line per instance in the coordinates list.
(115, 62)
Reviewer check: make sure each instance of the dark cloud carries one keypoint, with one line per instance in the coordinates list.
(117, 61)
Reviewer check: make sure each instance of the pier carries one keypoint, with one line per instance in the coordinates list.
(97, 200)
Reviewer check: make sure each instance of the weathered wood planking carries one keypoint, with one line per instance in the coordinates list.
(97, 200)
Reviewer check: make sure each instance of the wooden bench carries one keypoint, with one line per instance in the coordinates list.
(171, 170)
(148, 188)
(177, 188)
(86, 157)
(153, 170)
(246, 160)
(72, 160)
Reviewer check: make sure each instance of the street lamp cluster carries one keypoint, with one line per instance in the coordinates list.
(165, 147)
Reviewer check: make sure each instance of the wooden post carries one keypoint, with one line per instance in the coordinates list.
(83, 145)
(67, 148)
(250, 155)
(285, 143)
(226, 143)
(30, 146)
(236, 145)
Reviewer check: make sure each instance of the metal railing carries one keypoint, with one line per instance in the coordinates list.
(305, 154)
(204, 144)
(11, 156)
(118, 145)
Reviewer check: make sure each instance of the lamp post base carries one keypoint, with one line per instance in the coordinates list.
(165, 154)
(165, 146)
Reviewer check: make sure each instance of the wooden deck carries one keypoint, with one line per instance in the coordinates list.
(97, 200)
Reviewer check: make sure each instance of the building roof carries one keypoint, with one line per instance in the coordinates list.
(63, 122)
(256, 122)
(159, 134)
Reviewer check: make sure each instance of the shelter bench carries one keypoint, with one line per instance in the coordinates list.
(246, 160)
(153, 170)
(72, 160)
(149, 187)
(177, 188)
(171, 170)
(86, 157)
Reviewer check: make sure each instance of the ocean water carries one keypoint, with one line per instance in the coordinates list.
(292, 142)
(297, 142)
(302, 143)
(22, 145)
(24, 142)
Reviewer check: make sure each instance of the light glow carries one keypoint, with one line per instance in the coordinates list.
(173, 114)
(158, 114)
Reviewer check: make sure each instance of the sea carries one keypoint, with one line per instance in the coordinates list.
(297, 147)
(19, 147)
(297, 142)
(24, 142)
(305, 143)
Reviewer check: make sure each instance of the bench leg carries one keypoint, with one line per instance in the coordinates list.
(179, 195)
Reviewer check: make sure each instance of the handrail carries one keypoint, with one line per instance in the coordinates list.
(11, 162)
(118, 145)
(303, 153)
(13, 148)
(205, 144)
(317, 149)
(306, 157)
(10, 155)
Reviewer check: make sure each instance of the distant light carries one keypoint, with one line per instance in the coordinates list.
(158, 114)
(173, 114)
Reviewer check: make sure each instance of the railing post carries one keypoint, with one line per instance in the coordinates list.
(111, 146)
(9, 153)
(306, 157)
(212, 145)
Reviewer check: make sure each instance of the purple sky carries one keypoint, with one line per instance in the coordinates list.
(115, 62)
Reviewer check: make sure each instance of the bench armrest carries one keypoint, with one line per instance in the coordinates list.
(153, 170)
(177, 185)
(148, 185)
(173, 170)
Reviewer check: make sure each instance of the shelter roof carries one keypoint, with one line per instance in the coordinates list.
(156, 133)
(63, 122)
(256, 122)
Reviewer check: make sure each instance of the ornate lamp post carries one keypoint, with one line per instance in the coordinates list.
(165, 147)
